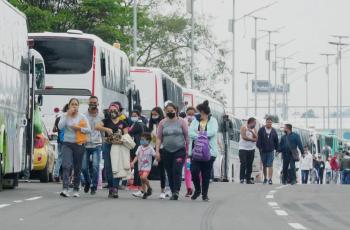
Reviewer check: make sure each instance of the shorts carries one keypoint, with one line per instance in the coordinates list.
(144, 173)
(267, 159)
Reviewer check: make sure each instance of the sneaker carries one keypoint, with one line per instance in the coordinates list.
(241, 181)
(250, 182)
(270, 182)
(76, 194)
(110, 194)
(86, 188)
(162, 196)
(195, 195)
(64, 193)
(93, 191)
(138, 194)
(168, 194)
(149, 191)
(189, 192)
(265, 181)
(145, 195)
(115, 194)
(205, 198)
(57, 179)
(175, 196)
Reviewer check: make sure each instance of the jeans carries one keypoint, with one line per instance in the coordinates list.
(72, 157)
(173, 163)
(202, 169)
(288, 162)
(95, 154)
(112, 182)
(58, 163)
(304, 176)
(247, 158)
(320, 175)
(162, 170)
(345, 177)
(335, 176)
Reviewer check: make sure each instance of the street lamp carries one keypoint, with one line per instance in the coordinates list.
(307, 90)
(135, 33)
(247, 88)
(327, 55)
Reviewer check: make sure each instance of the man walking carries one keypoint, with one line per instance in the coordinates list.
(290, 143)
(267, 144)
(93, 148)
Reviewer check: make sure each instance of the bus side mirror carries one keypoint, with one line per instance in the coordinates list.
(40, 100)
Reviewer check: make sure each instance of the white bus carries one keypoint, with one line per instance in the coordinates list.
(156, 87)
(80, 65)
(17, 95)
(191, 99)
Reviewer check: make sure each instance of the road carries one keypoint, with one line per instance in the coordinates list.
(36, 206)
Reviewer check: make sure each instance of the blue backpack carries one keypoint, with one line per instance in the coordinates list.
(201, 149)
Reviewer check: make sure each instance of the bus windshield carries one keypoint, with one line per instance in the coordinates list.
(65, 55)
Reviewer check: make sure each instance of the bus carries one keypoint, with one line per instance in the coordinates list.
(22, 72)
(81, 65)
(156, 88)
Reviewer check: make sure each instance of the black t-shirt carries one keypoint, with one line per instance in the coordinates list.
(108, 123)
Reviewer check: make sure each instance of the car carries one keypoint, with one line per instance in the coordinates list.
(44, 157)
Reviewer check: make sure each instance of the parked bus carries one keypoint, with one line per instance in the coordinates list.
(80, 65)
(21, 68)
(156, 88)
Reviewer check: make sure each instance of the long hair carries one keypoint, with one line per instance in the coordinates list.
(155, 122)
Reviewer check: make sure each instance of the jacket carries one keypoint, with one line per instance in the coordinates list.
(120, 160)
(267, 144)
(212, 132)
(345, 163)
(335, 164)
(294, 143)
(306, 162)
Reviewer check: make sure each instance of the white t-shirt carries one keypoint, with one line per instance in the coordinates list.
(247, 145)
(144, 157)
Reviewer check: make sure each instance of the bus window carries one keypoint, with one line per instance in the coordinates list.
(329, 142)
(65, 55)
(103, 65)
(40, 76)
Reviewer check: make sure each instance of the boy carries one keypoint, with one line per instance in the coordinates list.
(144, 155)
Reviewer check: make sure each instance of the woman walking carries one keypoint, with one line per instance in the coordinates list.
(114, 124)
(75, 126)
(173, 135)
(203, 149)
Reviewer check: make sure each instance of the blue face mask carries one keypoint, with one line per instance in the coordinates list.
(144, 142)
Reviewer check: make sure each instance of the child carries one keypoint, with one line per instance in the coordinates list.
(144, 155)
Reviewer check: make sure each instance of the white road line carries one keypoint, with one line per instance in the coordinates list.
(4, 205)
(280, 187)
(17, 201)
(281, 213)
(34, 198)
(269, 197)
(273, 204)
(297, 226)
(272, 191)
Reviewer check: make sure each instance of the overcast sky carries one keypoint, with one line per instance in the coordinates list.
(310, 22)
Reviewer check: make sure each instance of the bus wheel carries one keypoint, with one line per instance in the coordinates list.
(10, 181)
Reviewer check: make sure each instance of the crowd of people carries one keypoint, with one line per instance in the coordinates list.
(136, 144)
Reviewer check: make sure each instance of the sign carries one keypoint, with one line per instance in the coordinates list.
(263, 86)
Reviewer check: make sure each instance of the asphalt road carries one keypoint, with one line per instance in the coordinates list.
(35, 206)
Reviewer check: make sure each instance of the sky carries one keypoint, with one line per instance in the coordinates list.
(309, 22)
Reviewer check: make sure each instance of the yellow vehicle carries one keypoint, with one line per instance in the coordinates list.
(44, 157)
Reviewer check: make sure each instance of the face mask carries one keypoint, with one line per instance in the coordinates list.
(171, 115)
(113, 114)
(190, 118)
(134, 119)
(92, 106)
(252, 127)
(155, 117)
(144, 142)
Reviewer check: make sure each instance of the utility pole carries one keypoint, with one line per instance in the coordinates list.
(327, 55)
(339, 45)
(307, 91)
(192, 44)
(275, 88)
(255, 47)
(247, 88)
(233, 55)
(135, 33)
(268, 57)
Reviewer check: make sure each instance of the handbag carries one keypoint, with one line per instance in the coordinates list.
(295, 152)
(128, 142)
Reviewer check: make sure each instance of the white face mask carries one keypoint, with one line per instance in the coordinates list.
(134, 119)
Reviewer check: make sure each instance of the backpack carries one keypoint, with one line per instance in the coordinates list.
(201, 150)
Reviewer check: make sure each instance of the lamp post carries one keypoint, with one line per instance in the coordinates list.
(307, 90)
(327, 55)
(247, 89)
(135, 33)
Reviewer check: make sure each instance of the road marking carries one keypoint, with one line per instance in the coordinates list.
(269, 197)
(21, 219)
(4, 205)
(297, 226)
(281, 213)
(280, 187)
(273, 204)
(272, 191)
(17, 201)
(34, 198)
